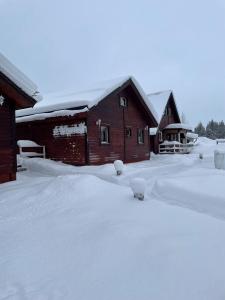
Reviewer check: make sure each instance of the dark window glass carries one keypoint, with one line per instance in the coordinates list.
(128, 132)
(140, 136)
(104, 134)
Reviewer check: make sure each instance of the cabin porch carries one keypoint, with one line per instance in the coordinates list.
(177, 138)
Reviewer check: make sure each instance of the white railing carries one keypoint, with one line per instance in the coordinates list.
(175, 148)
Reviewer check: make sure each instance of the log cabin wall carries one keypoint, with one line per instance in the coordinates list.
(171, 116)
(118, 118)
(67, 147)
(7, 142)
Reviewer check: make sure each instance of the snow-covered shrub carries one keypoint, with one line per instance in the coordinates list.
(219, 159)
(200, 155)
(118, 165)
(138, 186)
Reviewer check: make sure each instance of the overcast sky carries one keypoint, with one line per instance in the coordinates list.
(178, 45)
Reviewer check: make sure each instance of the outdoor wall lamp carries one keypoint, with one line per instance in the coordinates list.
(2, 100)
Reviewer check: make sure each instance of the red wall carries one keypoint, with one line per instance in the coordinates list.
(7, 142)
(117, 118)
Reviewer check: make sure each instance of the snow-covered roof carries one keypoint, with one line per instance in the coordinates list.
(159, 101)
(192, 135)
(85, 98)
(19, 78)
(43, 116)
(153, 131)
(179, 126)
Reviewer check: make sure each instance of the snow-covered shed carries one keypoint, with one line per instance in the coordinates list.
(16, 91)
(107, 121)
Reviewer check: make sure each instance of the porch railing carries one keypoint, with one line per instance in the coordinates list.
(171, 147)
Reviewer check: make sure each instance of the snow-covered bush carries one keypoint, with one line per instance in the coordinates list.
(219, 159)
(138, 186)
(118, 165)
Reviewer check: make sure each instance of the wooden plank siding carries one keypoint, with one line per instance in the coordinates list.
(7, 142)
(118, 118)
(69, 149)
(88, 149)
(14, 98)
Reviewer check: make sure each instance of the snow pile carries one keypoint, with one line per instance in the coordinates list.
(138, 186)
(26, 143)
(20, 79)
(69, 130)
(219, 159)
(118, 165)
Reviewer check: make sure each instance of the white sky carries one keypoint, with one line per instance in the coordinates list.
(174, 44)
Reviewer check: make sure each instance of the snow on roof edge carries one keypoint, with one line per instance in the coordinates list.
(19, 78)
(37, 109)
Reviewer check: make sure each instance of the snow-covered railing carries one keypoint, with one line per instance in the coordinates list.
(29, 148)
(218, 141)
(175, 147)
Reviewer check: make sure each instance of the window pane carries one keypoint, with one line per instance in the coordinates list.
(104, 134)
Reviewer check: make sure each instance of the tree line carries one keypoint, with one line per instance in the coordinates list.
(213, 130)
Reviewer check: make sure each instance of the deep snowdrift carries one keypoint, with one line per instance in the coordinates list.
(85, 237)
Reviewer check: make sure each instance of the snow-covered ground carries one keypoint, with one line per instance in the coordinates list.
(77, 232)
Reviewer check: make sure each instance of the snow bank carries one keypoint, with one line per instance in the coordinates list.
(78, 237)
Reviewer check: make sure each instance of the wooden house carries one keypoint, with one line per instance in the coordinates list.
(170, 135)
(98, 125)
(16, 91)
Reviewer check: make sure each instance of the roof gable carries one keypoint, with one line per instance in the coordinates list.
(87, 97)
(18, 80)
(160, 100)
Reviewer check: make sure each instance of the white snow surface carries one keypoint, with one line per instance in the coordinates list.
(43, 116)
(26, 143)
(159, 101)
(19, 78)
(77, 232)
(192, 135)
(88, 97)
(69, 130)
(179, 126)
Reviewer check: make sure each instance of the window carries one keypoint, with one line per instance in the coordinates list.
(128, 132)
(140, 136)
(160, 136)
(123, 101)
(104, 134)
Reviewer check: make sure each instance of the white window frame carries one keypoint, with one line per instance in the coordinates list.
(142, 136)
(123, 101)
(160, 136)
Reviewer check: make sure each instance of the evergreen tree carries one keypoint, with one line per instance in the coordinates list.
(200, 129)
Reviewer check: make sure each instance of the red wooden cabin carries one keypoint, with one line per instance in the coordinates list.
(107, 122)
(16, 91)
